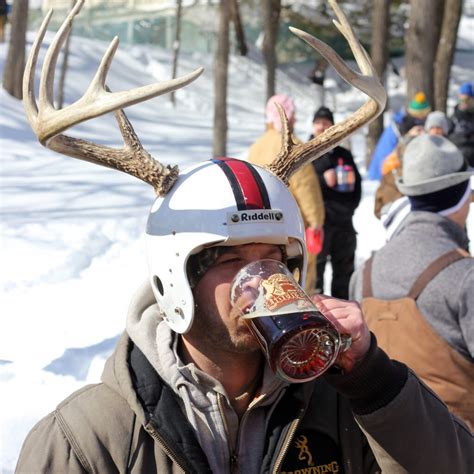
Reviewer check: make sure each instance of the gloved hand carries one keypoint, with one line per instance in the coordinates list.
(314, 239)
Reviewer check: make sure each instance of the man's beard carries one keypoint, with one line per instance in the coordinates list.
(237, 338)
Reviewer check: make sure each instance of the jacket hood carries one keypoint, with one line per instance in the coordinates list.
(143, 319)
(142, 322)
(158, 343)
(117, 377)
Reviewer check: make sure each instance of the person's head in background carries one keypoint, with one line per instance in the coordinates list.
(417, 111)
(273, 116)
(466, 96)
(435, 178)
(419, 107)
(322, 120)
(437, 124)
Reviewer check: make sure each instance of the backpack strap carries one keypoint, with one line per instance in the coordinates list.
(367, 278)
(434, 268)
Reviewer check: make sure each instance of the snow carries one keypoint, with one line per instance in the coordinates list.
(72, 247)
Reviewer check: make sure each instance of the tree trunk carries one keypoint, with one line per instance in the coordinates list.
(239, 29)
(445, 53)
(271, 21)
(379, 54)
(176, 46)
(421, 42)
(220, 81)
(3, 19)
(15, 63)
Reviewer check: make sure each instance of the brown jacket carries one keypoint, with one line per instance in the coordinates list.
(304, 185)
(103, 428)
(403, 332)
(386, 192)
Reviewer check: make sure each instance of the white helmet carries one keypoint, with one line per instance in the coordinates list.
(221, 202)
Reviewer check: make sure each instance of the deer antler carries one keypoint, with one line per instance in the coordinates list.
(292, 156)
(48, 122)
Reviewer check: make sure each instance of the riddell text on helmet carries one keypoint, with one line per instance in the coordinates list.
(247, 217)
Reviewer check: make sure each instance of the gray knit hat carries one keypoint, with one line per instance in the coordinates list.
(437, 119)
(431, 163)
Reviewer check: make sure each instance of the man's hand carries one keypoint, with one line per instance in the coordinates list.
(348, 319)
(330, 177)
(416, 130)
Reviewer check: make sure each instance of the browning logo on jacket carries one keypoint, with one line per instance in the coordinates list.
(312, 452)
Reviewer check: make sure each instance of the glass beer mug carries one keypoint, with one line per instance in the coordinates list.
(299, 342)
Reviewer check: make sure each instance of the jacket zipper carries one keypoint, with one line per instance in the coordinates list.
(233, 457)
(286, 444)
(156, 436)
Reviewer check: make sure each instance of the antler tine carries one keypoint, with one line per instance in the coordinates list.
(96, 101)
(98, 82)
(346, 30)
(286, 138)
(29, 100)
(51, 58)
(291, 156)
(48, 123)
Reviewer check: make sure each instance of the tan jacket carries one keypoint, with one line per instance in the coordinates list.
(304, 185)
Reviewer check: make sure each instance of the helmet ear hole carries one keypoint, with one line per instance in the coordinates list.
(158, 285)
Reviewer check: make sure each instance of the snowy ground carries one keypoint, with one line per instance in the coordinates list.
(72, 250)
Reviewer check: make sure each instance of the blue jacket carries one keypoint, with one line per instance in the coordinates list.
(385, 145)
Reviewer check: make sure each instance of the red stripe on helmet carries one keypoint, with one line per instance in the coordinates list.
(253, 195)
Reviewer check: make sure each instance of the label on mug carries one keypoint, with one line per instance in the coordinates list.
(280, 291)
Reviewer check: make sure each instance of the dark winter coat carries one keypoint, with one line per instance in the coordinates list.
(339, 206)
(408, 122)
(133, 422)
(463, 132)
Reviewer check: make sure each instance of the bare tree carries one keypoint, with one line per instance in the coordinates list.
(421, 42)
(220, 81)
(445, 52)
(379, 53)
(176, 46)
(239, 29)
(3, 19)
(271, 21)
(15, 63)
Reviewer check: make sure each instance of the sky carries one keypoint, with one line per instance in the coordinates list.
(72, 233)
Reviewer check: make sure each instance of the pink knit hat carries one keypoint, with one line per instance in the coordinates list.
(272, 114)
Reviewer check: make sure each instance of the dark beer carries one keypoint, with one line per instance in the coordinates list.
(298, 346)
(299, 342)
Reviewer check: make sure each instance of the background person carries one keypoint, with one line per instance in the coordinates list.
(406, 122)
(437, 124)
(390, 205)
(422, 312)
(462, 134)
(304, 184)
(340, 201)
(387, 192)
